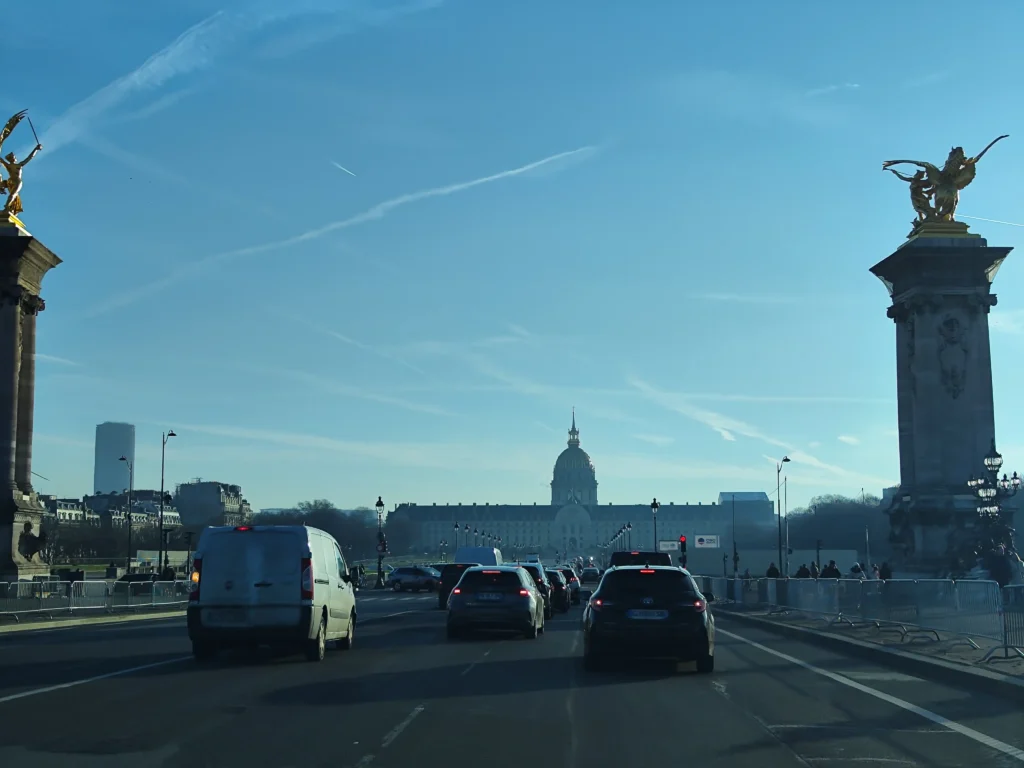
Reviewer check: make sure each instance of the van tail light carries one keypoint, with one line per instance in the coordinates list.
(307, 578)
(197, 567)
(456, 591)
(524, 592)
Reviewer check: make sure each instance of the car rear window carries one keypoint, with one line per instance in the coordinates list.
(556, 576)
(453, 571)
(497, 580)
(641, 558)
(648, 583)
(568, 574)
(534, 571)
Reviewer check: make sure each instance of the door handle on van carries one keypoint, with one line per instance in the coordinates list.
(263, 584)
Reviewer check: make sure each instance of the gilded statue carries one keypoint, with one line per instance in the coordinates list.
(934, 191)
(13, 183)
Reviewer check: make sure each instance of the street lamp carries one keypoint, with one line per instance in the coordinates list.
(654, 516)
(161, 554)
(380, 544)
(991, 490)
(476, 537)
(778, 502)
(629, 535)
(735, 552)
(456, 535)
(444, 545)
(131, 490)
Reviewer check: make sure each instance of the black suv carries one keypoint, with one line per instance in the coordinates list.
(655, 612)
(450, 576)
(540, 578)
(640, 558)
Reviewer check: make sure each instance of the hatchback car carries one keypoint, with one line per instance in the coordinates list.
(540, 578)
(561, 598)
(450, 576)
(495, 597)
(574, 584)
(655, 612)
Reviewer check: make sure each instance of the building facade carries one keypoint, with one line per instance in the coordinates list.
(113, 440)
(208, 502)
(574, 522)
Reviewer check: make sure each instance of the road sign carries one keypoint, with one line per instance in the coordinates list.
(705, 542)
(668, 546)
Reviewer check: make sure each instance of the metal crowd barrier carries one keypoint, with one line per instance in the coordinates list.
(19, 599)
(916, 609)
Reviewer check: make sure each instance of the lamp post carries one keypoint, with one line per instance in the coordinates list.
(629, 535)
(161, 555)
(778, 500)
(131, 491)
(991, 490)
(654, 516)
(456, 536)
(735, 551)
(381, 546)
(443, 544)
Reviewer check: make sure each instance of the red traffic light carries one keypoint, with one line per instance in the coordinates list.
(682, 539)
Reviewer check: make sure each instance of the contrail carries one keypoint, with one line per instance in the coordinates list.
(341, 167)
(994, 221)
(378, 211)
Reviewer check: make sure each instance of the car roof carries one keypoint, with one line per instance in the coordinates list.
(648, 568)
(511, 568)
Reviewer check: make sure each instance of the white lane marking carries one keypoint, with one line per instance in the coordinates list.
(364, 761)
(85, 681)
(882, 760)
(855, 728)
(469, 669)
(977, 736)
(570, 706)
(882, 677)
(397, 730)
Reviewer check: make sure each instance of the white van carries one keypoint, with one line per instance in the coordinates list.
(478, 556)
(281, 585)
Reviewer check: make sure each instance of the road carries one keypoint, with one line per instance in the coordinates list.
(406, 696)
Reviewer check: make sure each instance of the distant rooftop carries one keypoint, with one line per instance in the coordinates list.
(726, 497)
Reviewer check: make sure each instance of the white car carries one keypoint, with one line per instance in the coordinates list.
(286, 586)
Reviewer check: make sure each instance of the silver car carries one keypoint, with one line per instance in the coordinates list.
(495, 597)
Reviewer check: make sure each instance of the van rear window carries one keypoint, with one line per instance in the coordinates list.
(668, 584)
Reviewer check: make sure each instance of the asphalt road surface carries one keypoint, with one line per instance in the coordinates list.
(406, 696)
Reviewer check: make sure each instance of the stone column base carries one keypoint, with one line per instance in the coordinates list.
(21, 517)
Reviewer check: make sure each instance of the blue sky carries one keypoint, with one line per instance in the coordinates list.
(660, 213)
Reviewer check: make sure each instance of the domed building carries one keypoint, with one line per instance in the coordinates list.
(573, 523)
(574, 478)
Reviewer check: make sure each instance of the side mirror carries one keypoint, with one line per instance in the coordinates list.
(709, 597)
(347, 577)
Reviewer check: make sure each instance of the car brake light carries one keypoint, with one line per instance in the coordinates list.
(524, 592)
(646, 570)
(307, 578)
(634, 553)
(699, 606)
(456, 591)
(243, 527)
(490, 572)
(197, 567)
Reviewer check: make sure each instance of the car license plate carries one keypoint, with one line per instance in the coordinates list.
(490, 597)
(226, 616)
(647, 615)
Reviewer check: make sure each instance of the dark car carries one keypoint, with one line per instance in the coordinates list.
(450, 576)
(561, 598)
(655, 612)
(495, 597)
(573, 582)
(413, 578)
(640, 558)
(589, 574)
(540, 578)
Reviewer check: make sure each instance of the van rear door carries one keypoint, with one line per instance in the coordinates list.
(255, 574)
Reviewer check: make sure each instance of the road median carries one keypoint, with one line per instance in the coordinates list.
(955, 668)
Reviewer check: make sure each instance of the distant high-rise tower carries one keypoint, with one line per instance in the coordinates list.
(113, 440)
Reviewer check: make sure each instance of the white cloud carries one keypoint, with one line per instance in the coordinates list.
(660, 440)
(342, 390)
(747, 298)
(375, 213)
(54, 359)
(849, 440)
(197, 48)
(828, 89)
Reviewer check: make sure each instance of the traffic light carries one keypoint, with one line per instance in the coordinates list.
(682, 544)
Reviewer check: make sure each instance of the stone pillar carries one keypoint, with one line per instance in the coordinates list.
(23, 263)
(940, 282)
(30, 307)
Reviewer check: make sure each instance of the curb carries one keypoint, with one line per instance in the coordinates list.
(980, 680)
(92, 621)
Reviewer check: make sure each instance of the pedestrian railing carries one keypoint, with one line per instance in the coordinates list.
(935, 609)
(21, 599)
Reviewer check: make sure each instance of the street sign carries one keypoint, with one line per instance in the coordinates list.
(668, 546)
(705, 542)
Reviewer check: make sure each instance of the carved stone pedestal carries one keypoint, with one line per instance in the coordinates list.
(23, 263)
(940, 282)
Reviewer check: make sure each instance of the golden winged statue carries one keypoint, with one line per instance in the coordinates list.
(934, 191)
(11, 186)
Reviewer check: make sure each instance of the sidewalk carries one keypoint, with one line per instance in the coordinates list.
(83, 618)
(949, 656)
